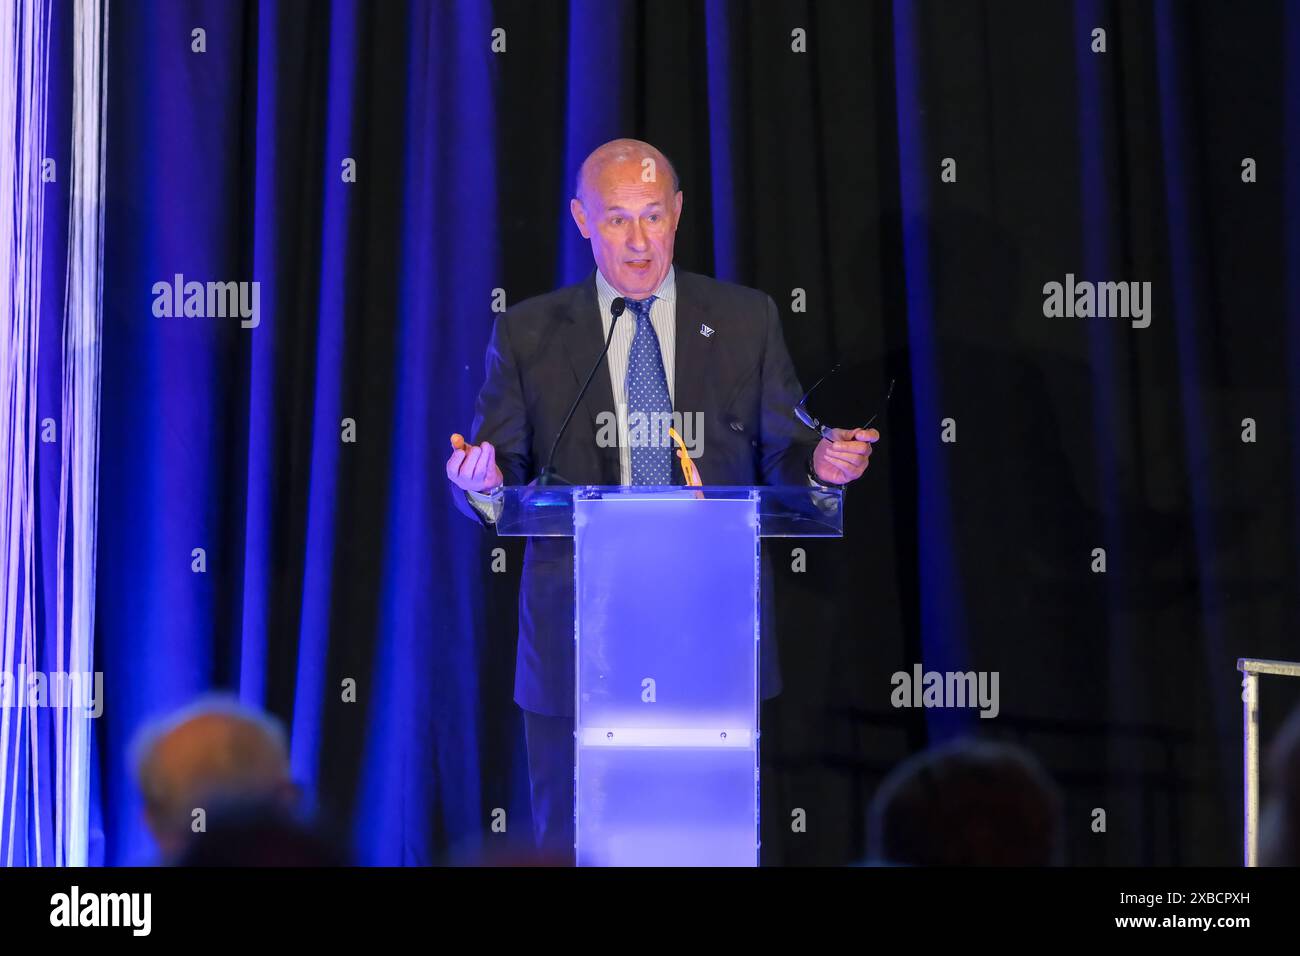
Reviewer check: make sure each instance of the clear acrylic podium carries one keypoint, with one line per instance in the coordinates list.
(666, 632)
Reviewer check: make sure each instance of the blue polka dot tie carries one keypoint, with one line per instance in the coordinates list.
(649, 407)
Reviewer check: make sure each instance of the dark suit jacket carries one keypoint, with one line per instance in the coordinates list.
(740, 377)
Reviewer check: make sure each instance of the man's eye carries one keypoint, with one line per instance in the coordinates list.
(616, 221)
(654, 218)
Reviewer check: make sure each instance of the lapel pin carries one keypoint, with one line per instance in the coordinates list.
(705, 331)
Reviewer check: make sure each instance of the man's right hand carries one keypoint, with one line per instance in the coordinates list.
(474, 468)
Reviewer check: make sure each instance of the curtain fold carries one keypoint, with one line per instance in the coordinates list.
(52, 95)
(1068, 501)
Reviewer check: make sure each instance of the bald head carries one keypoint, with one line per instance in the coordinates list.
(626, 151)
(214, 752)
(627, 204)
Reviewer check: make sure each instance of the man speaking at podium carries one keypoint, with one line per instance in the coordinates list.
(680, 343)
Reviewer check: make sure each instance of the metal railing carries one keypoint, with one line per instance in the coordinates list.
(1251, 669)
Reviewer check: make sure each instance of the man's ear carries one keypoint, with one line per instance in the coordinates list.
(579, 216)
(677, 205)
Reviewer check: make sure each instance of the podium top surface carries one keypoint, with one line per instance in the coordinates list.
(796, 511)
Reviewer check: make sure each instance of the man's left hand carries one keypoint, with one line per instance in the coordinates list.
(844, 459)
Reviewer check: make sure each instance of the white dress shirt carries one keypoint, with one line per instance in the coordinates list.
(663, 316)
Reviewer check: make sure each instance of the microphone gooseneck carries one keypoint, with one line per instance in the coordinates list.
(616, 308)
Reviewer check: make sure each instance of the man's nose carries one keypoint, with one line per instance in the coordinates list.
(636, 238)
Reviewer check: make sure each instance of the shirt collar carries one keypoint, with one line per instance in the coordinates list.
(667, 291)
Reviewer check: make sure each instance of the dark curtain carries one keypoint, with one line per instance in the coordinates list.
(304, 457)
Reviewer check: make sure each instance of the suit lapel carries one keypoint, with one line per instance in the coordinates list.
(692, 363)
(583, 339)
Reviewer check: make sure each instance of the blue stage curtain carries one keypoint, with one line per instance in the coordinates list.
(247, 443)
(275, 520)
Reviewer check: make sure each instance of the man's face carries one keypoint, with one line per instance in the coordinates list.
(631, 225)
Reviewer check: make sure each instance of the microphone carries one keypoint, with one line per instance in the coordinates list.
(548, 475)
